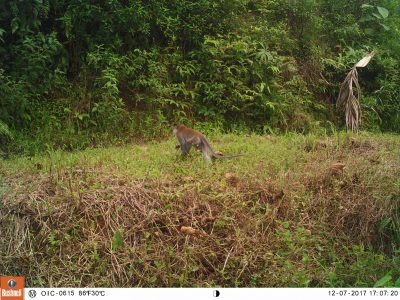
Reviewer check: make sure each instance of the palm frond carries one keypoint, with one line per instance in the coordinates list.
(347, 98)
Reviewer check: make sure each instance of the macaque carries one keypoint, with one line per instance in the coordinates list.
(188, 137)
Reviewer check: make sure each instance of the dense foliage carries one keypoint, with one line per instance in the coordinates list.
(81, 72)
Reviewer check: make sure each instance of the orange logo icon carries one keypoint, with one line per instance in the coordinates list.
(12, 287)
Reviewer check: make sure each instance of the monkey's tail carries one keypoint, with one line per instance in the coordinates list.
(215, 155)
(226, 156)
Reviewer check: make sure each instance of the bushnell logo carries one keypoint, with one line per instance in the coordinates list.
(12, 288)
(12, 283)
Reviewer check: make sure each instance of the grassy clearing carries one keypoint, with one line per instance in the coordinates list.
(295, 211)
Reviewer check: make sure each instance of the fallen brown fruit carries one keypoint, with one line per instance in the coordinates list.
(188, 179)
(231, 179)
(337, 168)
(189, 230)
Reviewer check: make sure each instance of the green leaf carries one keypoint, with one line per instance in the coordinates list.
(2, 31)
(387, 28)
(117, 241)
(397, 283)
(376, 16)
(14, 25)
(367, 18)
(384, 223)
(285, 224)
(369, 31)
(384, 280)
(5, 131)
(366, 5)
(262, 86)
(383, 12)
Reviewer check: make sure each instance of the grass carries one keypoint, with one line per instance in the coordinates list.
(295, 211)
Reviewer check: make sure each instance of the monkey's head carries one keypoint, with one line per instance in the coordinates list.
(175, 127)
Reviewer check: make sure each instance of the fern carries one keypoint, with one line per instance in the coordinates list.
(44, 9)
(5, 131)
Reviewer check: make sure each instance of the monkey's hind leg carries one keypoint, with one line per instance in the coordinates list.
(207, 155)
(185, 148)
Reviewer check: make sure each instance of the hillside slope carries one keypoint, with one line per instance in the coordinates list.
(295, 211)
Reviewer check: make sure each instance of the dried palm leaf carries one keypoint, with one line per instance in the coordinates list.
(365, 60)
(347, 98)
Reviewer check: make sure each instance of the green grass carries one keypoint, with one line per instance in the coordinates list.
(279, 216)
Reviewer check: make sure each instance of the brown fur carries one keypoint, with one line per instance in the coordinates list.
(188, 137)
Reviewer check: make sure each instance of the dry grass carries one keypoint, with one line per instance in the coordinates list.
(280, 216)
